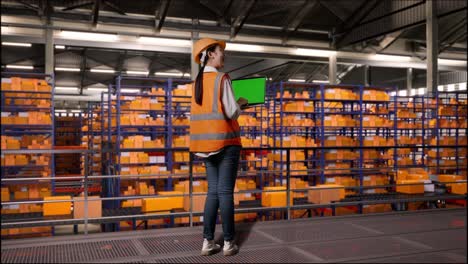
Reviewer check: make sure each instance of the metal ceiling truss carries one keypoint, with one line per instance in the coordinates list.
(352, 21)
(220, 16)
(83, 69)
(407, 14)
(318, 70)
(160, 15)
(95, 14)
(239, 21)
(293, 72)
(297, 19)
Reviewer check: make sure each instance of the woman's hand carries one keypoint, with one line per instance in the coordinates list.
(242, 102)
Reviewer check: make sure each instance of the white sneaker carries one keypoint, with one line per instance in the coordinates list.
(230, 248)
(209, 247)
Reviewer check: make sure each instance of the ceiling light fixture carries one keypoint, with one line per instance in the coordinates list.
(320, 81)
(102, 71)
(88, 36)
(97, 89)
(244, 47)
(64, 88)
(165, 41)
(59, 46)
(390, 57)
(314, 52)
(130, 90)
(25, 67)
(67, 69)
(296, 80)
(137, 72)
(175, 74)
(17, 44)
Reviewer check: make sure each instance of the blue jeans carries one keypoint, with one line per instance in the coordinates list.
(221, 171)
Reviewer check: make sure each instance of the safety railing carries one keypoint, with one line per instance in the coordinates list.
(136, 215)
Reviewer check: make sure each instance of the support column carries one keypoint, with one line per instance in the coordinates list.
(193, 66)
(367, 75)
(432, 50)
(332, 69)
(49, 51)
(409, 80)
(195, 36)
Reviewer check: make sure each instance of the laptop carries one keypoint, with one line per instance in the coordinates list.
(252, 89)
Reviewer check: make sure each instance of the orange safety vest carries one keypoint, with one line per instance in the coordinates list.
(210, 129)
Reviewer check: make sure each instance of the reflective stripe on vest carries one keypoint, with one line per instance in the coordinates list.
(218, 136)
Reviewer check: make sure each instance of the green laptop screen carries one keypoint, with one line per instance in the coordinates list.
(252, 89)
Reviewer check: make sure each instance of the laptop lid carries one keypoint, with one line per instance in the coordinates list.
(252, 89)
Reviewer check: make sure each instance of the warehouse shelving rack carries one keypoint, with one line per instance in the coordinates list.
(278, 130)
(325, 108)
(12, 101)
(26, 130)
(174, 106)
(455, 125)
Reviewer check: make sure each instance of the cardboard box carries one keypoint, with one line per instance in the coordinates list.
(163, 203)
(410, 189)
(59, 208)
(319, 195)
(94, 207)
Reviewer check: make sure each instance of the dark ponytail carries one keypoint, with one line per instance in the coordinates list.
(199, 79)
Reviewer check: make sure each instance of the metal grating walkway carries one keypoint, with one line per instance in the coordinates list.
(435, 236)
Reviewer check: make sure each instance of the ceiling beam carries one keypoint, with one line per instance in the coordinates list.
(29, 6)
(95, 14)
(114, 7)
(292, 26)
(120, 63)
(83, 69)
(453, 31)
(240, 20)
(256, 67)
(341, 15)
(353, 20)
(68, 8)
(295, 71)
(220, 16)
(160, 15)
(279, 70)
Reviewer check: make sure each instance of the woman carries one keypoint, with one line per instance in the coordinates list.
(215, 136)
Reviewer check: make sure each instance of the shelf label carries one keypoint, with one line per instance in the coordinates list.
(6, 80)
(125, 154)
(248, 195)
(154, 101)
(162, 169)
(125, 168)
(330, 180)
(146, 138)
(153, 159)
(5, 114)
(196, 183)
(23, 114)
